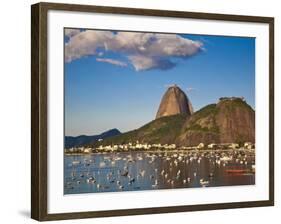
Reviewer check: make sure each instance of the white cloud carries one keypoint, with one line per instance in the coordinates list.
(71, 32)
(144, 50)
(143, 62)
(112, 61)
(86, 43)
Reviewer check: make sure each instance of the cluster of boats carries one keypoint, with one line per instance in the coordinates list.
(154, 170)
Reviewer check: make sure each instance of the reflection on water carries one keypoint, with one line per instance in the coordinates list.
(131, 171)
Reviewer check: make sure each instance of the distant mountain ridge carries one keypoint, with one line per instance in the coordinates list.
(70, 141)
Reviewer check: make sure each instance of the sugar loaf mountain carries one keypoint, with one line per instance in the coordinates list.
(230, 120)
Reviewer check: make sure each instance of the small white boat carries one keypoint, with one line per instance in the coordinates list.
(102, 164)
(155, 184)
(142, 173)
(225, 159)
(76, 162)
(204, 183)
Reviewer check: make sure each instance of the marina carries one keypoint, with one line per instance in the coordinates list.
(151, 170)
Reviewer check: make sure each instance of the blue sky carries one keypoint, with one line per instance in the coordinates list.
(117, 80)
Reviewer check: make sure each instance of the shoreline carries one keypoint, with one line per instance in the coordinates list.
(160, 151)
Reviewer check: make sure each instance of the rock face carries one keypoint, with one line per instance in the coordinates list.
(174, 102)
(231, 120)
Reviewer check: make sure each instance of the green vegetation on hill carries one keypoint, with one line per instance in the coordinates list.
(230, 120)
(230, 105)
(204, 120)
(163, 130)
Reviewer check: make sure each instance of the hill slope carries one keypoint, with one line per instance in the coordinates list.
(230, 120)
(163, 130)
(70, 141)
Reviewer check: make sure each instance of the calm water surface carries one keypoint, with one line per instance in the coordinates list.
(132, 171)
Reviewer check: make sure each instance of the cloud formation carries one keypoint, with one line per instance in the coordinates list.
(143, 50)
(112, 61)
(71, 32)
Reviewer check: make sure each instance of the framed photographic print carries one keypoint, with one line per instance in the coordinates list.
(138, 111)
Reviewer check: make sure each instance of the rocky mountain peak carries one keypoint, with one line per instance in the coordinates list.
(174, 102)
